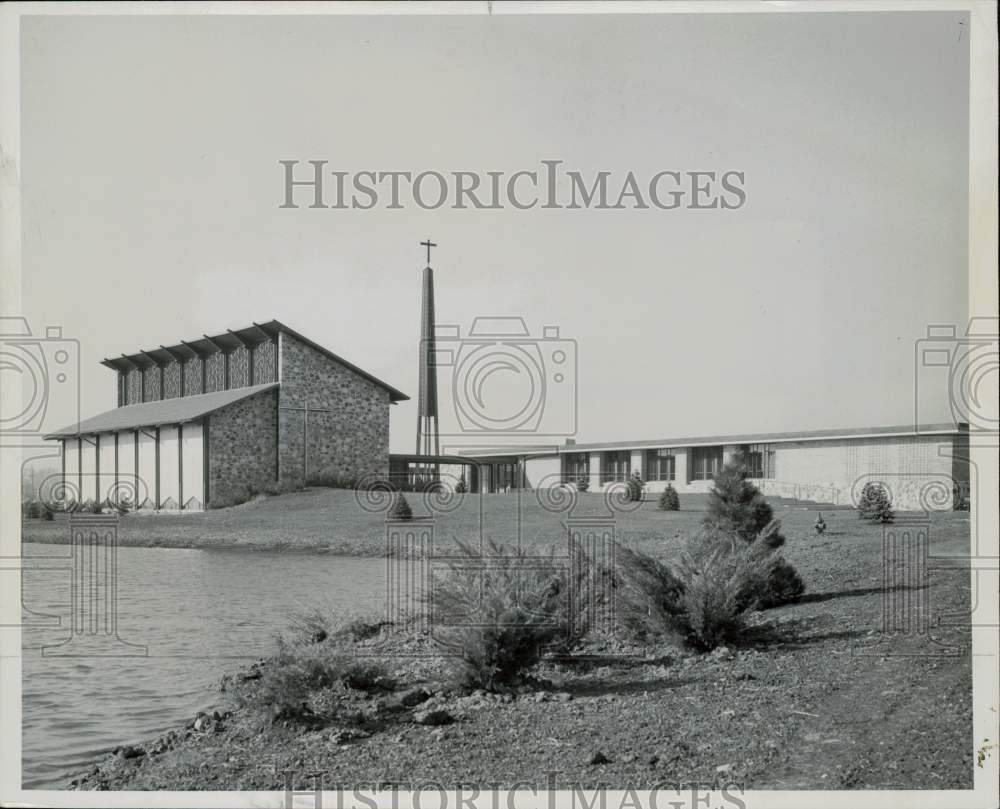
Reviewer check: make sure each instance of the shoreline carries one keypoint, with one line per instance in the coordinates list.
(739, 716)
(256, 547)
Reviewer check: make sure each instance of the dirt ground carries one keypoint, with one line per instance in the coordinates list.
(836, 691)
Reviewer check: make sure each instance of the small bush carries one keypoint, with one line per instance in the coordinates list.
(46, 514)
(647, 597)
(783, 584)
(317, 626)
(313, 680)
(461, 487)
(724, 578)
(735, 505)
(634, 487)
(333, 478)
(273, 488)
(583, 484)
(237, 496)
(875, 505)
(702, 599)
(716, 582)
(29, 510)
(496, 620)
(669, 500)
(883, 511)
(400, 509)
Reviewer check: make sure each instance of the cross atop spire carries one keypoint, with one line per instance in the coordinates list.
(428, 244)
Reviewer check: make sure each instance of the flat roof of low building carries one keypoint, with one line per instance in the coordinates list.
(179, 410)
(715, 440)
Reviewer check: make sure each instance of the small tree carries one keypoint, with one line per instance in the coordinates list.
(867, 500)
(882, 511)
(634, 486)
(400, 509)
(736, 505)
(669, 501)
(875, 504)
(783, 583)
(461, 487)
(583, 484)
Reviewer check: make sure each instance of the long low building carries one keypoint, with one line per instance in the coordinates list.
(924, 467)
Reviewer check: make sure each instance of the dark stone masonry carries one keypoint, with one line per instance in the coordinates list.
(347, 434)
(242, 440)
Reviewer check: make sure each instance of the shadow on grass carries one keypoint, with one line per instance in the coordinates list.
(596, 689)
(788, 636)
(813, 598)
(585, 662)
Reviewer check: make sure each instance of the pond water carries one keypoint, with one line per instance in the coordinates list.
(198, 613)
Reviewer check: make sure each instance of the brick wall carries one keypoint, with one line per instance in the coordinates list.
(242, 442)
(352, 439)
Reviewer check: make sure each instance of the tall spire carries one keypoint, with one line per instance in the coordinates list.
(427, 405)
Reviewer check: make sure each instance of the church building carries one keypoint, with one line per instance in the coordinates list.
(209, 421)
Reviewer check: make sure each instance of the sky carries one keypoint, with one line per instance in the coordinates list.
(151, 194)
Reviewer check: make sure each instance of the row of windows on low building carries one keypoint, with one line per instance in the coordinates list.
(704, 463)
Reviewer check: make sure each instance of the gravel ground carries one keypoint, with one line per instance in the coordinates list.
(814, 696)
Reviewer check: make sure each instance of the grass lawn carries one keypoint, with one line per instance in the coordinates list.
(335, 521)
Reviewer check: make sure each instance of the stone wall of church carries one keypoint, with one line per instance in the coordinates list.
(242, 449)
(346, 432)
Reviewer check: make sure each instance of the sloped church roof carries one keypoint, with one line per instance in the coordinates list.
(177, 410)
